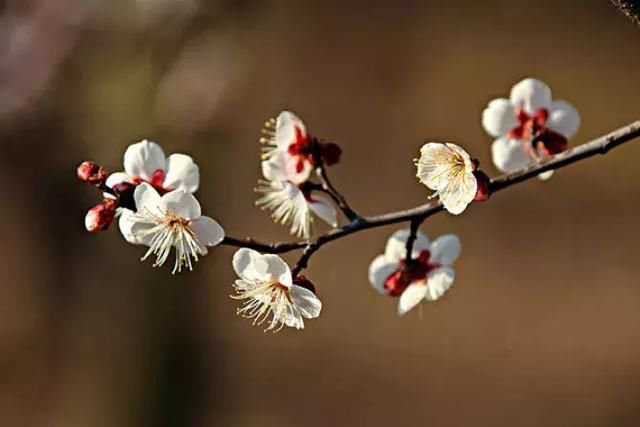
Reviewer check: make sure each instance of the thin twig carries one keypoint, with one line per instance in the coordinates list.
(337, 197)
(414, 224)
(600, 145)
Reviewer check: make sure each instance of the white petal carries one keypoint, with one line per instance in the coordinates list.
(508, 155)
(499, 117)
(142, 159)
(276, 269)
(457, 197)
(324, 210)
(125, 223)
(531, 95)
(147, 198)
(273, 169)
(438, 282)
(396, 248)
(286, 125)
(208, 231)
(545, 175)
(181, 203)
(244, 263)
(306, 301)
(411, 296)
(182, 173)
(379, 271)
(445, 249)
(564, 119)
(117, 178)
(291, 169)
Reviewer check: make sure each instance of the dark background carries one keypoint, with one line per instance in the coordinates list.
(541, 327)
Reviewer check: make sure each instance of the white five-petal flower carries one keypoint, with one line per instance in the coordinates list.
(448, 170)
(529, 113)
(173, 220)
(290, 203)
(427, 277)
(287, 136)
(145, 161)
(269, 292)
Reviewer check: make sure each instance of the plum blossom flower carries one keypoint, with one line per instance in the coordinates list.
(288, 135)
(270, 293)
(427, 276)
(291, 204)
(448, 170)
(528, 126)
(145, 161)
(173, 220)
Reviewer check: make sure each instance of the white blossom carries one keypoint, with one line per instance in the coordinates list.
(428, 277)
(269, 292)
(449, 171)
(173, 220)
(528, 125)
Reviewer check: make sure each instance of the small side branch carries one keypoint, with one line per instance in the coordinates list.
(337, 197)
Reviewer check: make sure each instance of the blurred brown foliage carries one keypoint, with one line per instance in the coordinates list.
(540, 328)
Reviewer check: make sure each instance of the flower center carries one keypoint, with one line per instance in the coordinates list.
(414, 271)
(301, 149)
(529, 126)
(263, 300)
(156, 181)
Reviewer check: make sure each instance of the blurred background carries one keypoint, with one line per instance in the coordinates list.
(541, 328)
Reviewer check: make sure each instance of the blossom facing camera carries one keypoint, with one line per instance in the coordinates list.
(428, 275)
(100, 217)
(449, 171)
(145, 162)
(529, 126)
(91, 173)
(173, 220)
(291, 204)
(270, 293)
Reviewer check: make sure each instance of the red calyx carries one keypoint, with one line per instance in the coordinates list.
(483, 192)
(91, 173)
(529, 125)
(330, 153)
(547, 143)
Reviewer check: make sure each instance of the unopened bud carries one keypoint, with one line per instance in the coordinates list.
(100, 217)
(92, 173)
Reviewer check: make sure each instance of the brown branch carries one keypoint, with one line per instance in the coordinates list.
(418, 214)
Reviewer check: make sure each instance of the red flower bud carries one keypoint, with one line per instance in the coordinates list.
(483, 191)
(92, 173)
(100, 217)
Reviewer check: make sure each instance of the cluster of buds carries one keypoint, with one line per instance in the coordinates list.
(99, 217)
